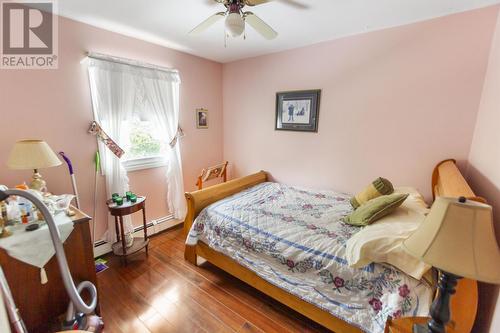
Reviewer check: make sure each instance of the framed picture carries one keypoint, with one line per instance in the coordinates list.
(201, 118)
(298, 110)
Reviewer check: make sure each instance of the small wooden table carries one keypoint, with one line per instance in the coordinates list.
(128, 207)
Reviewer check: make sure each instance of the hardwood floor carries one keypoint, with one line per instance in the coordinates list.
(163, 293)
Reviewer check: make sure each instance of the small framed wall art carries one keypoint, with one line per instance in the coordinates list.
(298, 110)
(201, 118)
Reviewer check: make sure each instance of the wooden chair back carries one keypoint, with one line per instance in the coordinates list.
(213, 172)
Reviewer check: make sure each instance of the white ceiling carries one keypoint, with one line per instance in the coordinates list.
(167, 22)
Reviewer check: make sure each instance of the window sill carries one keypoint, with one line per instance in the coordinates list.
(144, 163)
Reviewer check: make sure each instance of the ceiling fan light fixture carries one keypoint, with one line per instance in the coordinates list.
(235, 25)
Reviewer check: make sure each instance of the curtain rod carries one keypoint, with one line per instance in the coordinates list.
(130, 62)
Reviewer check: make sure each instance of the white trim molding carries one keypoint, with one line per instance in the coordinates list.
(154, 226)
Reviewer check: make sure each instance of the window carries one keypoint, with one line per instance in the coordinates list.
(143, 144)
(126, 96)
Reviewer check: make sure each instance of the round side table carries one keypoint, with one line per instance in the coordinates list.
(127, 208)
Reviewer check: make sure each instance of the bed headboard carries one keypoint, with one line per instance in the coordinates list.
(448, 181)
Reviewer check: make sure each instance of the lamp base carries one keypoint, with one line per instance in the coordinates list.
(440, 309)
(37, 182)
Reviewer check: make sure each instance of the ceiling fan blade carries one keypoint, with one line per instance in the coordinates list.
(207, 23)
(260, 26)
(255, 2)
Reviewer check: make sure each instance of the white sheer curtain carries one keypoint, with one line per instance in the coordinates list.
(162, 93)
(113, 98)
(116, 89)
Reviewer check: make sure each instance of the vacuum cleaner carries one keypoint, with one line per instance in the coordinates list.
(72, 176)
(79, 315)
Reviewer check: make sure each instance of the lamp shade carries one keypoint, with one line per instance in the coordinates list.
(32, 154)
(458, 238)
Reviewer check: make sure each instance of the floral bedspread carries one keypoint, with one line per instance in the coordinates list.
(294, 239)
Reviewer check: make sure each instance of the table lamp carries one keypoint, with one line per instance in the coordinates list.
(33, 154)
(458, 238)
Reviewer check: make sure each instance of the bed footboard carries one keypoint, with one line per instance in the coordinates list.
(198, 200)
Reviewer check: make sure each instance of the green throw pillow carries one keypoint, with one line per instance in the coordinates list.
(375, 209)
(378, 187)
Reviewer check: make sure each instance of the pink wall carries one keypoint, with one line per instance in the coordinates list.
(54, 105)
(484, 173)
(394, 103)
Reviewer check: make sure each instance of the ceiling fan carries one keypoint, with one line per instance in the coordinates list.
(236, 18)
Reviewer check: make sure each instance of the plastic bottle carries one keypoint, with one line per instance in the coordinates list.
(24, 212)
(13, 213)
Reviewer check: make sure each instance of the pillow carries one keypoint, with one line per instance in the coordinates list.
(415, 199)
(375, 209)
(381, 241)
(378, 187)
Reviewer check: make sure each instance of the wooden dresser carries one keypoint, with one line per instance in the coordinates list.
(40, 304)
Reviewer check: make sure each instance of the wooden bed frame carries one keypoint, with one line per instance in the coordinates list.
(446, 181)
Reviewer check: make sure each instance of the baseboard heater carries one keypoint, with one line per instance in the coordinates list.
(102, 247)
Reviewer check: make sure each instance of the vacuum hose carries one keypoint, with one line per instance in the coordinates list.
(72, 290)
